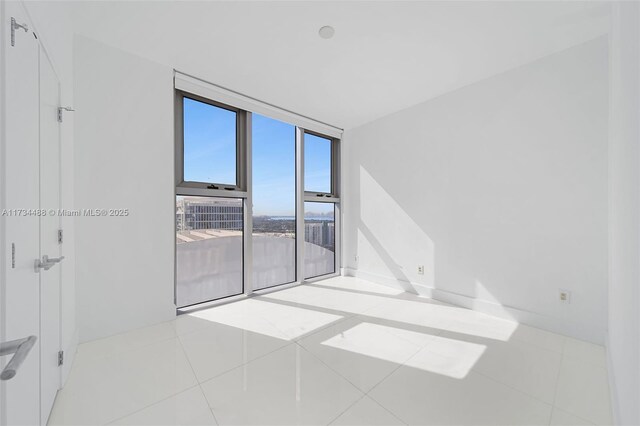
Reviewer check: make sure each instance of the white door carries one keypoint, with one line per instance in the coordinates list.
(30, 305)
(20, 399)
(50, 378)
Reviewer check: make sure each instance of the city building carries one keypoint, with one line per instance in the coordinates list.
(203, 213)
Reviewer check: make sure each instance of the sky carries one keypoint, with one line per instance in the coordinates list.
(210, 156)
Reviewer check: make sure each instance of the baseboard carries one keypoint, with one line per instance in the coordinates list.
(409, 287)
(533, 319)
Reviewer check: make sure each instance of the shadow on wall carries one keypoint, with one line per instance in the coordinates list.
(388, 237)
(398, 238)
(507, 179)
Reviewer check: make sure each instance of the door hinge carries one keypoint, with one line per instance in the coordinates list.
(15, 26)
(60, 236)
(60, 358)
(13, 255)
(60, 110)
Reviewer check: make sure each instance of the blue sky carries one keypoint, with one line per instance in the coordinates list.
(209, 153)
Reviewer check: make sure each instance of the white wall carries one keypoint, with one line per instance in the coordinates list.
(54, 26)
(123, 159)
(624, 214)
(499, 189)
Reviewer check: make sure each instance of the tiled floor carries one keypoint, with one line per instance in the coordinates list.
(342, 352)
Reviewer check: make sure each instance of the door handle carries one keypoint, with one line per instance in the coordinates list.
(47, 262)
(20, 349)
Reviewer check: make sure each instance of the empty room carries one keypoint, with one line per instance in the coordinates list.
(319, 212)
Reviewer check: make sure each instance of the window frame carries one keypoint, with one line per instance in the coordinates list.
(211, 189)
(334, 195)
(207, 93)
(297, 268)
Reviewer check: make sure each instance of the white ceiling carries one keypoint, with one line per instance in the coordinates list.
(385, 55)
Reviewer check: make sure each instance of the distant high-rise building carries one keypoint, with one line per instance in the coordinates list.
(321, 233)
(203, 213)
(313, 233)
(329, 235)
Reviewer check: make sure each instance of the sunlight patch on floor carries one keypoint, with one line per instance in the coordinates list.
(269, 319)
(448, 357)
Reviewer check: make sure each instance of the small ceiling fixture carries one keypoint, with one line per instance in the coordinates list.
(326, 32)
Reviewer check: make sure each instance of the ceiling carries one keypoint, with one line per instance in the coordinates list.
(385, 55)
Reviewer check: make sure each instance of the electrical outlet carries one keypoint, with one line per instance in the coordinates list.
(420, 269)
(356, 257)
(565, 296)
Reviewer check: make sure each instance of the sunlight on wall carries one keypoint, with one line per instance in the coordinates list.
(383, 235)
(483, 295)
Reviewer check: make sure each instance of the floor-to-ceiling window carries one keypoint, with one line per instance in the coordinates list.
(209, 227)
(256, 197)
(320, 187)
(274, 202)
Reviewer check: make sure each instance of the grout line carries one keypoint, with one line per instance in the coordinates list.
(242, 364)
(154, 402)
(555, 390)
(555, 395)
(364, 394)
(520, 391)
(215, 419)
(317, 358)
(589, 422)
(346, 409)
(386, 409)
(129, 349)
(151, 405)
(390, 373)
(322, 328)
(309, 333)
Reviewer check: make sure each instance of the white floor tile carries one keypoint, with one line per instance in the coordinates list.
(305, 355)
(541, 338)
(344, 302)
(425, 313)
(585, 351)
(448, 357)
(366, 412)
(419, 397)
(188, 408)
(521, 365)
(583, 390)
(362, 352)
(297, 322)
(187, 323)
(562, 418)
(102, 390)
(128, 341)
(220, 348)
(289, 386)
